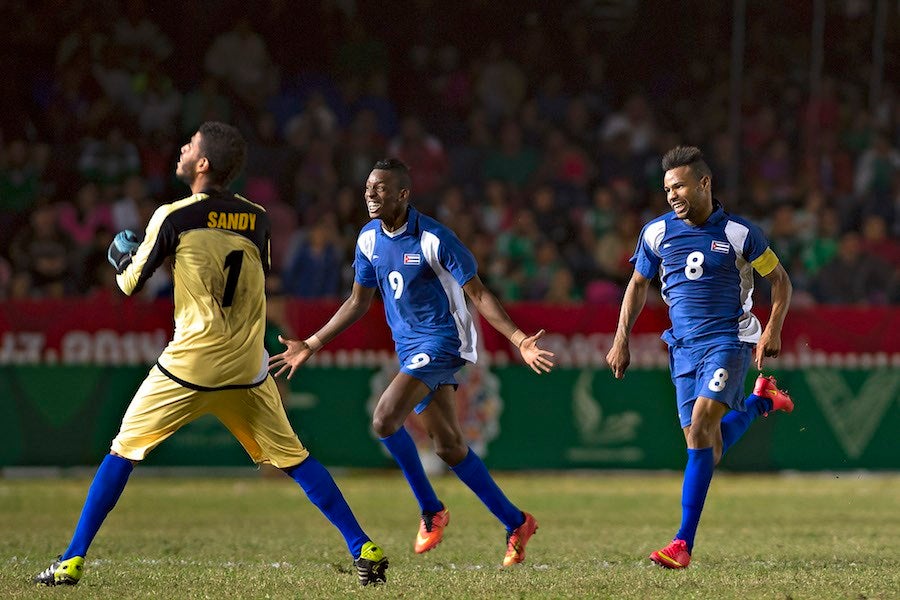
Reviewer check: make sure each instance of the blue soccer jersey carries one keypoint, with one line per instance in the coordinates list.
(420, 270)
(706, 274)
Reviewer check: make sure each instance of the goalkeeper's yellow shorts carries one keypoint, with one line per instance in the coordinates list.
(255, 416)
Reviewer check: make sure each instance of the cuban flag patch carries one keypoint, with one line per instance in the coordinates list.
(722, 247)
(412, 259)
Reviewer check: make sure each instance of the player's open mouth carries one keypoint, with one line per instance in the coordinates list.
(373, 206)
(679, 206)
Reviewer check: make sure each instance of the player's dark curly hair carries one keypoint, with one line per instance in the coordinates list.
(690, 156)
(225, 149)
(398, 167)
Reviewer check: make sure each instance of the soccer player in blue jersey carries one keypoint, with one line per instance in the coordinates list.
(705, 259)
(216, 362)
(424, 274)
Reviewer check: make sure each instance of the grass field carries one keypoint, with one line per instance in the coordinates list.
(824, 536)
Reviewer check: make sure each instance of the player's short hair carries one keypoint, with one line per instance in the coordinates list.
(398, 167)
(686, 156)
(225, 149)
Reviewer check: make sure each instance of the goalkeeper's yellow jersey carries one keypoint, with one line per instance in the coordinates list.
(220, 242)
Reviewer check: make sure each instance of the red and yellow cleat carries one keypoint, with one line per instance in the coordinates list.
(768, 388)
(431, 530)
(517, 539)
(673, 556)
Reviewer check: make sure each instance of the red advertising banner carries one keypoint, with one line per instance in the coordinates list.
(119, 330)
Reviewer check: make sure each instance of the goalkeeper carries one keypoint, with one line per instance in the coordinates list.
(216, 362)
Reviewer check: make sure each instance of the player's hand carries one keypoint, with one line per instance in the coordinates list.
(122, 247)
(536, 357)
(769, 344)
(618, 358)
(297, 353)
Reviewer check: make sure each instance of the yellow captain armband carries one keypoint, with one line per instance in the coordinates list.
(766, 262)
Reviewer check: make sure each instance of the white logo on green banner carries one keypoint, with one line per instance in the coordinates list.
(599, 432)
(854, 417)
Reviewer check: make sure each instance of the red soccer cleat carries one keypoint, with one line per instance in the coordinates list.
(673, 556)
(517, 539)
(431, 530)
(767, 388)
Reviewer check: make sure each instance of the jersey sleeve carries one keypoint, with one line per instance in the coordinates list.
(457, 259)
(645, 260)
(362, 262)
(160, 241)
(757, 251)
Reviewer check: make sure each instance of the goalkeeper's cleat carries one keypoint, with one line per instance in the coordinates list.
(371, 565)
(517, 539)
(673, 556)
(431, 530)
(61, 572)
(766, 387)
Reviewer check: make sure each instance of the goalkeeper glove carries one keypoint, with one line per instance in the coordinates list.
(120, 250)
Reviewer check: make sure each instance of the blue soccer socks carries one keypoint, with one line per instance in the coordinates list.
(401, 446)
(474, 474)
(736, 422)
(110, 480)
(697, 476)
(323, 492)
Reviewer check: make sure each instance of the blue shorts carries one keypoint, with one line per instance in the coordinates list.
(433, 371)
(716, 372)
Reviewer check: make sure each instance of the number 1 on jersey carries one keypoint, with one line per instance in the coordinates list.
(233, 263)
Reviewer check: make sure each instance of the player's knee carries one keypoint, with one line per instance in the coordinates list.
(702, 433)
(452, 454)
(385, 424)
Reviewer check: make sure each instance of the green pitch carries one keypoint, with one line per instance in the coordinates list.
(258, 537)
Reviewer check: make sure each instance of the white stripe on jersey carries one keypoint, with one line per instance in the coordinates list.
(749, 327)
(366, 243)
(653, 237)
(468, 337)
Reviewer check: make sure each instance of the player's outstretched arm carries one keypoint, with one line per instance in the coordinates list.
(489, 307)
(299, 351)
(770, 341)
(619, 356)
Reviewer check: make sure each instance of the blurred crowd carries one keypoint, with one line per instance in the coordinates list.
(534, 133)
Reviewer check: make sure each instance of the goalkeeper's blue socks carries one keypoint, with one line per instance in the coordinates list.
(473, 473)
(102, 496)
(697, 476)
(322, 491)
(401, 446)
(736, 422)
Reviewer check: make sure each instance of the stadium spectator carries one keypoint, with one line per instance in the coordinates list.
(511, 161)
(240, 57)
(424, 154)
(82, 218)
(111, 159)
(852, 277)
(42, 255)
(313, 268)
(20, 184)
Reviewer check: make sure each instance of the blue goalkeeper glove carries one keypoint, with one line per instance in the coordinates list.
(122, 247)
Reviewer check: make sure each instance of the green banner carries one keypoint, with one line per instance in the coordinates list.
(568, 419)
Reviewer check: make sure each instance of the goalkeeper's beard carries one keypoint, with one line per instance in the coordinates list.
(186, 173)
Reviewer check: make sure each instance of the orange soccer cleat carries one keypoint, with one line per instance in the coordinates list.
(673, 556)
(768, 388)
(431, 530)
(517, 539)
